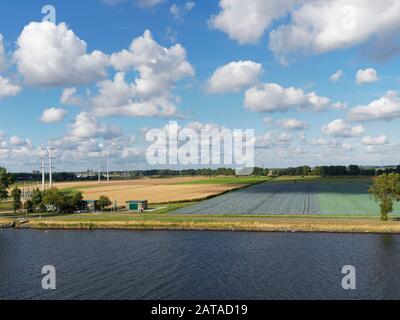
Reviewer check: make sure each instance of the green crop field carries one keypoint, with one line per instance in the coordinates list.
(296, 196)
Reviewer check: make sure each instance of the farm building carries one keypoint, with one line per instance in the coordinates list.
(137, 205)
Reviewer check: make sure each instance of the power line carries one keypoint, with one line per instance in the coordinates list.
(43, 167)
(51, 166)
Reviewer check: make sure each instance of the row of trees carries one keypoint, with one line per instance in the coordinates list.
(325, 171)
(52, 200)
(61, 201)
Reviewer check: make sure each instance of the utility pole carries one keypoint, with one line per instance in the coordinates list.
(43, 168)
(51, 166)
(108, 169)
(99, 171)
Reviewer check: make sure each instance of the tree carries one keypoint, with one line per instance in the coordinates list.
(386, 189)
(53, 197)
(354, 170)
(103, 202)
(5, 181)
(77, 200)
(16, 196)
(37, 199)
(28, 206)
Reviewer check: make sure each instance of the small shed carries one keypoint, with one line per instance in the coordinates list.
(91, 205)
(137, 205)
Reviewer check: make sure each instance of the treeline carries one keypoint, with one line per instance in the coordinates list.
(54, 200)
(325, 171)
(57, 176)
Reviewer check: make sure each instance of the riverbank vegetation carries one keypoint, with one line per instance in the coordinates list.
(217, 223)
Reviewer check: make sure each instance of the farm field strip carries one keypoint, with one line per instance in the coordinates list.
(157, 190)
(289, 198)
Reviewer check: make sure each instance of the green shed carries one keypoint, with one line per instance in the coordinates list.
(137, 205)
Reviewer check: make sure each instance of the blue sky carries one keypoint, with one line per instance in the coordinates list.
(214, 35)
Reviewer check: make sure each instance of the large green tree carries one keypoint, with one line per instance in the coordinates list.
(37, 200)
(5, 182)
(53, 197)
(16, 196)
(103, 202)
(386, 190)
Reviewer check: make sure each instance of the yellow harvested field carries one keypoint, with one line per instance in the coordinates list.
(153, 190)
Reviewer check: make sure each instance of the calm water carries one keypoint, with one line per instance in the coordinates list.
(197, 265)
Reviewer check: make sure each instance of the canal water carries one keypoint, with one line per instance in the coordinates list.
(197, 265)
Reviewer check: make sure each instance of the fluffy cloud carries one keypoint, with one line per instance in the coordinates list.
(247, 20)
(52, 55)
(159, 69)
(86, 127)
(385, 108)
(376, 141)
(292, 124)
(340, 128)
(8, 89)
(272, 97)
(368, 75)
(336, 76)
(319, 26)
(119, 98)
(17, 141)
(53, 115)
(234, 76)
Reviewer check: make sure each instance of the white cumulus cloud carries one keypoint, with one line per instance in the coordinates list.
(53, 115)
(292, 124)
(157, 70)
(319, 26)
(86, 126)
(234, 76)
(7, 89)
(368, 75)
(341, 129)
(246, 20)
(385, 108)
(52, 55)
(375, 141)
(272, 97)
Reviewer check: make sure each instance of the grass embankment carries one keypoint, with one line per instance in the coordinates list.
(214, 223)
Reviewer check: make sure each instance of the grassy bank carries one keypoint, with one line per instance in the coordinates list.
(214, 223)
